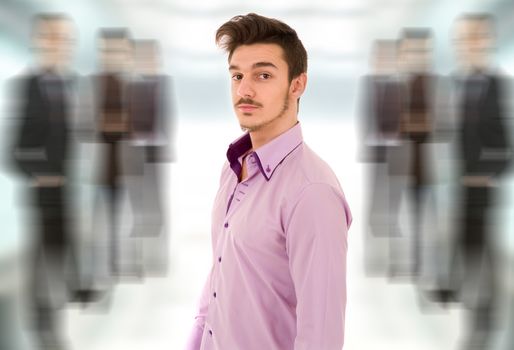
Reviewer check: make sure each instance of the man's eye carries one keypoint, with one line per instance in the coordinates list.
(237, 77)
(265, 76)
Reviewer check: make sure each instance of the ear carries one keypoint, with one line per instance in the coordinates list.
(298, 85)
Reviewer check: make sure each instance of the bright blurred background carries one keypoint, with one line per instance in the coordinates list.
(158, 312)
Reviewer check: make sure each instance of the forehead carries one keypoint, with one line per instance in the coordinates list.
(471, 27)
(245, 56)
(114, 43)
(54, 26)
(409, 44)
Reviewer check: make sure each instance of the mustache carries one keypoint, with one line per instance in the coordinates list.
(248, 101)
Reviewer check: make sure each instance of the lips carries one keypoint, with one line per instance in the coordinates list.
(247, 107)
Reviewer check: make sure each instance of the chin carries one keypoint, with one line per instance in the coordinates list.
(247, 118)
(246, 126)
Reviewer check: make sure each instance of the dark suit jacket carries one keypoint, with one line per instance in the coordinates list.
(41, 142)
(484, 145)
(418, 106)
(151, 115)
(417, 124)
(382, 112)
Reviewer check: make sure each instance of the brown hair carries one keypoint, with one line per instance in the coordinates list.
(255, 29)
(483, 18)
(42, 19)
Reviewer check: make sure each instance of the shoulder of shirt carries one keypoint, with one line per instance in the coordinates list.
(306, 168)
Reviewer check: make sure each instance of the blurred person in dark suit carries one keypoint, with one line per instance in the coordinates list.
(380, 126)
(483, 149)
(112, 125)
(151, 121)
(42, 149)
(416, 126)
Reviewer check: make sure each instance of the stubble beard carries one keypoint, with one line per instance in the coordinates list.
(257, 127)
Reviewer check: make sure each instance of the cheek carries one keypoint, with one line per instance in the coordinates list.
(280, 93)
(233, 93)
(275, 91)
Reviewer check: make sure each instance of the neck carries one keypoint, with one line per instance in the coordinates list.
(269, 132)
(48, 66)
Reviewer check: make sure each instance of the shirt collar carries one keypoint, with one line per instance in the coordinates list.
(270, 155)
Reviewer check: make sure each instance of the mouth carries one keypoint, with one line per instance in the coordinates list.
(246, 108)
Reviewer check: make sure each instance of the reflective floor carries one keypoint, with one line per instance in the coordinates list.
(156, 313)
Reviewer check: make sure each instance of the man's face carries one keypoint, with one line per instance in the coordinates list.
(415, 54)
(473, 43)
(54, 42)
(146, 59)
(385, 59)
(260, 86)
(115, 54)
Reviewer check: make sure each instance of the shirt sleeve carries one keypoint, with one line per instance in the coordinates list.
(316, 236)
(195, 338)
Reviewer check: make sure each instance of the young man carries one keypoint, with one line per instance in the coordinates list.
(418, 83)
(280, 219)
(485, 153)
(42, 150)
(380, 136)
(483, 148)
(150, 149)
(113, 127)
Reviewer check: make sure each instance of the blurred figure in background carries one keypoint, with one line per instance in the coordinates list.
(483, 149)
(42, 150)
(111, 113)
(418, 85)
(151, 121)
(380, 124)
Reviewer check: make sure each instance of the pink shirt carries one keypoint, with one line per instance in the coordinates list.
(279, 241)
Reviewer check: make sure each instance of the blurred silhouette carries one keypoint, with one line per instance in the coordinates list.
(483, 150)
(151, 121)
(42, 149)
(380, 123)
(417, 119)
(399, 103)
(112, 115)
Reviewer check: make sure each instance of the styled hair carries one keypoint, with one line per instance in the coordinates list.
(44, 18)
(481, 17)
(416, 34)
(50, 17)
(255, 29)
(114, 33)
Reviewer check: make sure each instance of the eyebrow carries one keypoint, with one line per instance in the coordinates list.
(255, 65)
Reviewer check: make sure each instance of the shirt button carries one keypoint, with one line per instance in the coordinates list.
(210, 332)
(226, 225)
(219, 259)
(214, 294)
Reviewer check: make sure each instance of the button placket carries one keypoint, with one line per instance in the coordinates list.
(236, 195)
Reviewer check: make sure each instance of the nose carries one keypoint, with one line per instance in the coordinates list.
(245, 88)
